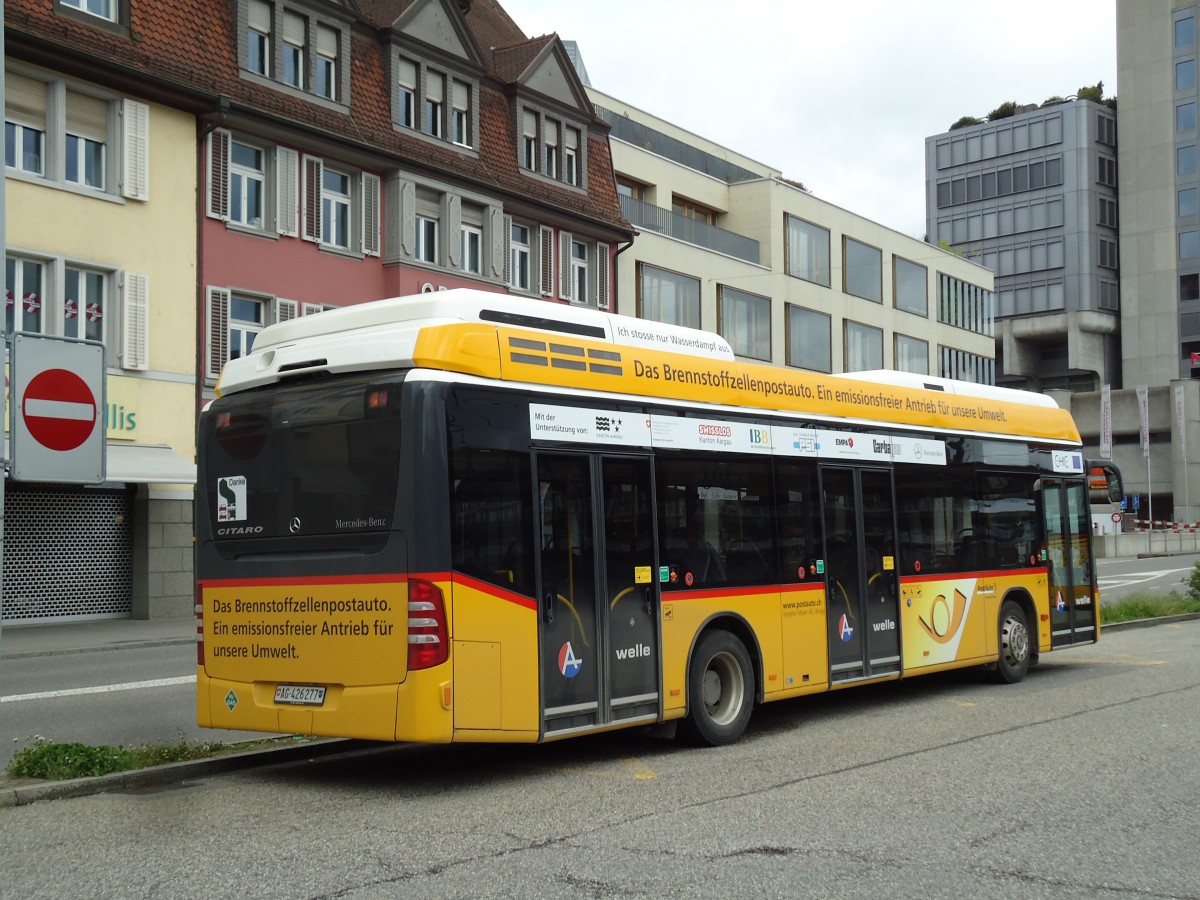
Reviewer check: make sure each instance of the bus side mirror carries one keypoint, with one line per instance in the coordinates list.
(1104, 482)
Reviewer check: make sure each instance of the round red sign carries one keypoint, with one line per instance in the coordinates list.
(58, 409)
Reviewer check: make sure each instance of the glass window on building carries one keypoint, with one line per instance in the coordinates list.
(912, 355)
(1185, 32)
(1186, 202)
(1185, 117)
(808, 339)
(745, 321)
(863, 267)
(1185, 160)
(808, 251)
(668, 296)
(911, 286)
(1189, 244)
(1185, 74)
(863, 347)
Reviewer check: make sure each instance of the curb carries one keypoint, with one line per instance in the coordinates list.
(25, 792)
(1147, 623)
(100, 648)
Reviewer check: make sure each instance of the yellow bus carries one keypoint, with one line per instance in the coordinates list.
(466, 516)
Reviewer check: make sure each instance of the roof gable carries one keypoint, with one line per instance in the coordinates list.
(550, 73)
(440, 25)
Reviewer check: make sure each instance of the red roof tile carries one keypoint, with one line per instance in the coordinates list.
(185, 53)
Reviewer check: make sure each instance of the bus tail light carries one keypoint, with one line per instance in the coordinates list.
(428, 636)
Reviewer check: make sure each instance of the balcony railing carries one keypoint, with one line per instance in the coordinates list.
(672, 224)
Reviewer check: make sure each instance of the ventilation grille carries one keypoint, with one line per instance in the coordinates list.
(67, 554)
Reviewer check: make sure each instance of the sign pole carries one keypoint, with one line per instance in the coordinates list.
(3, 346)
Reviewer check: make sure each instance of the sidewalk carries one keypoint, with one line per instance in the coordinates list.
(18, 641)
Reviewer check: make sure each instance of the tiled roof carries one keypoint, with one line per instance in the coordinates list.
(186, 51)
(511, 62)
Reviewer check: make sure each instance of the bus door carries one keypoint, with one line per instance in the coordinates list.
(1068, 551)
(861, 584)
(599, 598)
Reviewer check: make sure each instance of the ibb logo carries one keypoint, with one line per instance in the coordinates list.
(758, 436)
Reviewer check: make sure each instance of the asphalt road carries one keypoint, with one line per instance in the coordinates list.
(1083, 781)
(1153, 575)
(134, 696)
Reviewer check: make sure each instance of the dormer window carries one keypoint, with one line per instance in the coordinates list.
(435, 96)
(460, 113)
(432, 101)
(529, 140)
(552, 147)
(283, 44)
(406, 82)
(293, 49)
(258, 38)
(327, 59)
(103, 9)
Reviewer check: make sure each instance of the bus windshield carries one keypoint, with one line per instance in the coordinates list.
(317, 457)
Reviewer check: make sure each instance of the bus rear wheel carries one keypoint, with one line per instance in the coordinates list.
(1015, 649)
(720, 690)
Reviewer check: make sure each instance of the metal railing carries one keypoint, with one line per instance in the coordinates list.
(668, 222)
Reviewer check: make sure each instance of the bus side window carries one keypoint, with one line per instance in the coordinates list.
(491, 530)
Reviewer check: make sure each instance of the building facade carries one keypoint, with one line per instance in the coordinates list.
(305, 154)
(730, 245)
(1033, 197)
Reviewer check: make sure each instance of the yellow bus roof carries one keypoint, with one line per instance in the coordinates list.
(518, 340)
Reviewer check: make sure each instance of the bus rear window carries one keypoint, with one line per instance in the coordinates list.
(321, 457)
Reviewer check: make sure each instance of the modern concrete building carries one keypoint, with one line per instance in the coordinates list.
(1033, 197)
(730, 245)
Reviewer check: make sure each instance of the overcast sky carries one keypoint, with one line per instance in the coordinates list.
(837, 95)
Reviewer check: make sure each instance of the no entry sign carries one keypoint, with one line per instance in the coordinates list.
(57, 409)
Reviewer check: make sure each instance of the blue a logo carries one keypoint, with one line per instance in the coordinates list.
(846, 629)
(568, 663)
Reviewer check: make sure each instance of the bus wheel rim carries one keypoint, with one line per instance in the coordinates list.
(722, 688)
(1016, 641)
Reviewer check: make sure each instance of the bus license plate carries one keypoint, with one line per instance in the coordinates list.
(299, 694)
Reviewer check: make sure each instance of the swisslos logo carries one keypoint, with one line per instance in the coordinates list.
(716, 430)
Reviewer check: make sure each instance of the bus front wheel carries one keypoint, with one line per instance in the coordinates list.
(1015, 649)
(720, 690)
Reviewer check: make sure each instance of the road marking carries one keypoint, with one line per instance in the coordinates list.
(1114, 581)
(101, 689)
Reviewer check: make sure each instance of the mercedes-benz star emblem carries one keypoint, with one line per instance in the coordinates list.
(295, 525)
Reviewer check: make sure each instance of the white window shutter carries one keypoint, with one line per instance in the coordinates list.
(218, 332)
(370, 214)
(218, 174)
(135, 321)
(284, 310)
(314, 170)
(311, 309)
(136, 146)
(546, 262)
(603, 281)
(566, 284)
(286, 206)
(506, 265)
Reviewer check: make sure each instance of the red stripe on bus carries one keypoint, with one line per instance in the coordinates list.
(985, 573)
(760, 590)
(492, 591)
